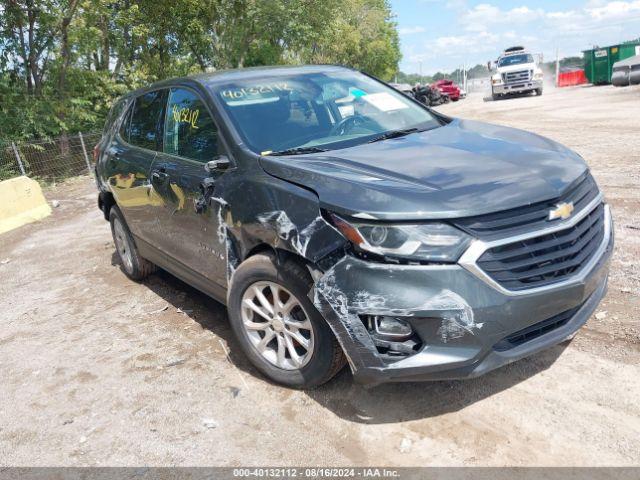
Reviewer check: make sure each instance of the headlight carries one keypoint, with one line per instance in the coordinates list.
(497, 79)
(436, 242)
(538, 76)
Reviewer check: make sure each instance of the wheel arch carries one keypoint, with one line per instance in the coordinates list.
(105, 202)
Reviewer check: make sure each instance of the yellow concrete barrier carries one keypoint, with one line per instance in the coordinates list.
(21, 202)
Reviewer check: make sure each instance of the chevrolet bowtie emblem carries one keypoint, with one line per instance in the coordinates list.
(562, 210)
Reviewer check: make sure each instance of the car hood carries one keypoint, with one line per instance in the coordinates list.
(464, 168)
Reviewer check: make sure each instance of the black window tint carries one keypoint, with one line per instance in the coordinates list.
(189, 129)
(143, 128)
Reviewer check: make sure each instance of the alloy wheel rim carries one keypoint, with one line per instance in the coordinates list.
(277, 325)
(122, 245)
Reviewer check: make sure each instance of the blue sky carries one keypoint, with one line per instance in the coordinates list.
(444, 34)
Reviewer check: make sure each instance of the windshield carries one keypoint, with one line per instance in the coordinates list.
(317, 110)
(515, 60)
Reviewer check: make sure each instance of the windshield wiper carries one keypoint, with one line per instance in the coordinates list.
(299, 151)
(393, 134)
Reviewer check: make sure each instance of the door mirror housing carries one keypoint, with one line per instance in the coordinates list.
(219, 164)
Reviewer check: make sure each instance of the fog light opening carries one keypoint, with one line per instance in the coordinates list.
(392, 336)
(392, 328)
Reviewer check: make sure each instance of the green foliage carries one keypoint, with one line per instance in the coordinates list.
(362, 35)
(565, 63)
(412, 78)
(85, 53)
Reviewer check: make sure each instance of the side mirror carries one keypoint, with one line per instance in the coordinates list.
(489, 66)
(219, 164)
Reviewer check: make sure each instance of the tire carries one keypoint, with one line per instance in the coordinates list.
(539, 92)
(132, 264)
(495, 97)
(310, 365)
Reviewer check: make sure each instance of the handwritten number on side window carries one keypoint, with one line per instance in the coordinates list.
(185, 115)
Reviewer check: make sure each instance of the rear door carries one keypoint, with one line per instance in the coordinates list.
(190, 221)
(129, 159)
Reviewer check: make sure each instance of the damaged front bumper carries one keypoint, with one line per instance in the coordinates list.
(466, 326)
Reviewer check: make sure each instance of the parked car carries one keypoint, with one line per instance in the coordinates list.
(449, 88)
(341, 221)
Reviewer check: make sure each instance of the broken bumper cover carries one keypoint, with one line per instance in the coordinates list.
(464, 323)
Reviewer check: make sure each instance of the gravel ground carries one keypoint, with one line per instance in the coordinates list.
(98, 370)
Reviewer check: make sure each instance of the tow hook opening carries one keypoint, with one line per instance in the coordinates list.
(393, 336)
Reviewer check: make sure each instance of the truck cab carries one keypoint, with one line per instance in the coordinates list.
(515, 71)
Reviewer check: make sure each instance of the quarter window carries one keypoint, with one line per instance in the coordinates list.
(189, 129)
(124, 128)
(144, 128)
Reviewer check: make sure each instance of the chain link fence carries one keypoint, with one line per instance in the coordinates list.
(50, 160)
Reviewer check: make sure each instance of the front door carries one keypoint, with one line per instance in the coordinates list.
(190, 222)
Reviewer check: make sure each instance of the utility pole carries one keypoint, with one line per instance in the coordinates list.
(464, 76)
(557, 65)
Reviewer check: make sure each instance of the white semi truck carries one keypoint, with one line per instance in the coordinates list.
(515, 71)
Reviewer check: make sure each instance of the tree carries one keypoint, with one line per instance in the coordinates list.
(29, 31)
(62, 62)
(363, 35)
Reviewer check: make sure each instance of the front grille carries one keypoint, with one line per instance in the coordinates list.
(535, 331)
(531, 217)
(546, 259)
(517, 77)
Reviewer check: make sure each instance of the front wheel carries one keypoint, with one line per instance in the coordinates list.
(278, 327)
(538, 91)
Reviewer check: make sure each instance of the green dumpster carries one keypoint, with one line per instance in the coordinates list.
(598, 62)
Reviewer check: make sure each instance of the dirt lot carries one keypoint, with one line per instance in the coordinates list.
(98, 370)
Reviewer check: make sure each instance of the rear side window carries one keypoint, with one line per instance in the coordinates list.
(145, 124)
(114, 114)
(189, 129)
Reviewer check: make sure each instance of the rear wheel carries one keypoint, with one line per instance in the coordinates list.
(278, 327)
(133, 265)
